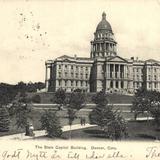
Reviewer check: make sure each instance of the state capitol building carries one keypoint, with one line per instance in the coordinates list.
(104, 70)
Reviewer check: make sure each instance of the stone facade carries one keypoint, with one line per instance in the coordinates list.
(104, 70)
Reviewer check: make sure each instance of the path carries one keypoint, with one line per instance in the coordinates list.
(38, 133)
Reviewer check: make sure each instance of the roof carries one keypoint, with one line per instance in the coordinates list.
(104, 24)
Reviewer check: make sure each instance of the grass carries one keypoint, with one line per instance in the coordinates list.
(137, 130)
(48, 97)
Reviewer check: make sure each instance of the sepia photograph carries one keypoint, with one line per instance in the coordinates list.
(80, 73)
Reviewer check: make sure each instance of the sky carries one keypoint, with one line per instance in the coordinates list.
(35, 31)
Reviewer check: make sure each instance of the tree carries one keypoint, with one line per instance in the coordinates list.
(100, 98)
(111, 122)
(75, 103)
(36, 99)
(4, 120)
(116, 128)
(144, 101)
(21, 111)
(22, 114)
(50, 122)
(155, 112)
(141, 102)
(60, 98)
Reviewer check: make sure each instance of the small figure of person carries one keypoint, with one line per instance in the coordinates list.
(81, 121)
(84, 121)
(31, 129)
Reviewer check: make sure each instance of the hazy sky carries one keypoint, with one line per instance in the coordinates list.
(34, 31)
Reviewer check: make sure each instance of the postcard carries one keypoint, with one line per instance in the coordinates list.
(79, 80)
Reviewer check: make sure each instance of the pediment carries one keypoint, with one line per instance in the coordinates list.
(117, 59)
(65, 58)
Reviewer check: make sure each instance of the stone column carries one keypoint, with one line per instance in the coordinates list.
(113, 70)
(114, 85)
(119, 84)
(46, 77)
(119, 71)
(124, 74)
(109, 70)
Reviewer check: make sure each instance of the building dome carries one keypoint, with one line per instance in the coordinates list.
(104, 24)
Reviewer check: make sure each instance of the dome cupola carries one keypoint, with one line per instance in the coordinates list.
(104, 24)
(104, 44)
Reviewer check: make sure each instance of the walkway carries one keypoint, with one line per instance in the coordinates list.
(38, 133)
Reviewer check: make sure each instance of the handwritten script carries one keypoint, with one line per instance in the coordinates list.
(45, 152)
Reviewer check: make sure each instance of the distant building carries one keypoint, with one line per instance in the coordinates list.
(104, 70)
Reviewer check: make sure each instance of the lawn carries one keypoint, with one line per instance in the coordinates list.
(48, 97)
(137, 130)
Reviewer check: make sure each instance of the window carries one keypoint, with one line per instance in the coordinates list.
(76, 67)
(116, 84)
(111, 84)
(59, 74)
(86, 68)
(65, 66)
(86, 75)
(155, 85)
(149, 77)
(81, 75)
(59, 83)
(65, 83)
(76, 75)
(71, 67)
(72, 74)
(149, 85)
(122, 84)
(76, 83)
(155, 70)
(81, 83)
(155, 77)
(59, 66)
(71, 83)
(65, 74)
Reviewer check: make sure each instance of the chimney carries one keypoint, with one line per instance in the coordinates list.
(75, 56)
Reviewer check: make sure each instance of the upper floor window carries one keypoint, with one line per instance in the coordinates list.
(155, 69)
(59, 74)
(76, 75)
(76, 67)
(71, 67)
(59, 66)
(72, 74)
(149, 77)
(65, 66)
